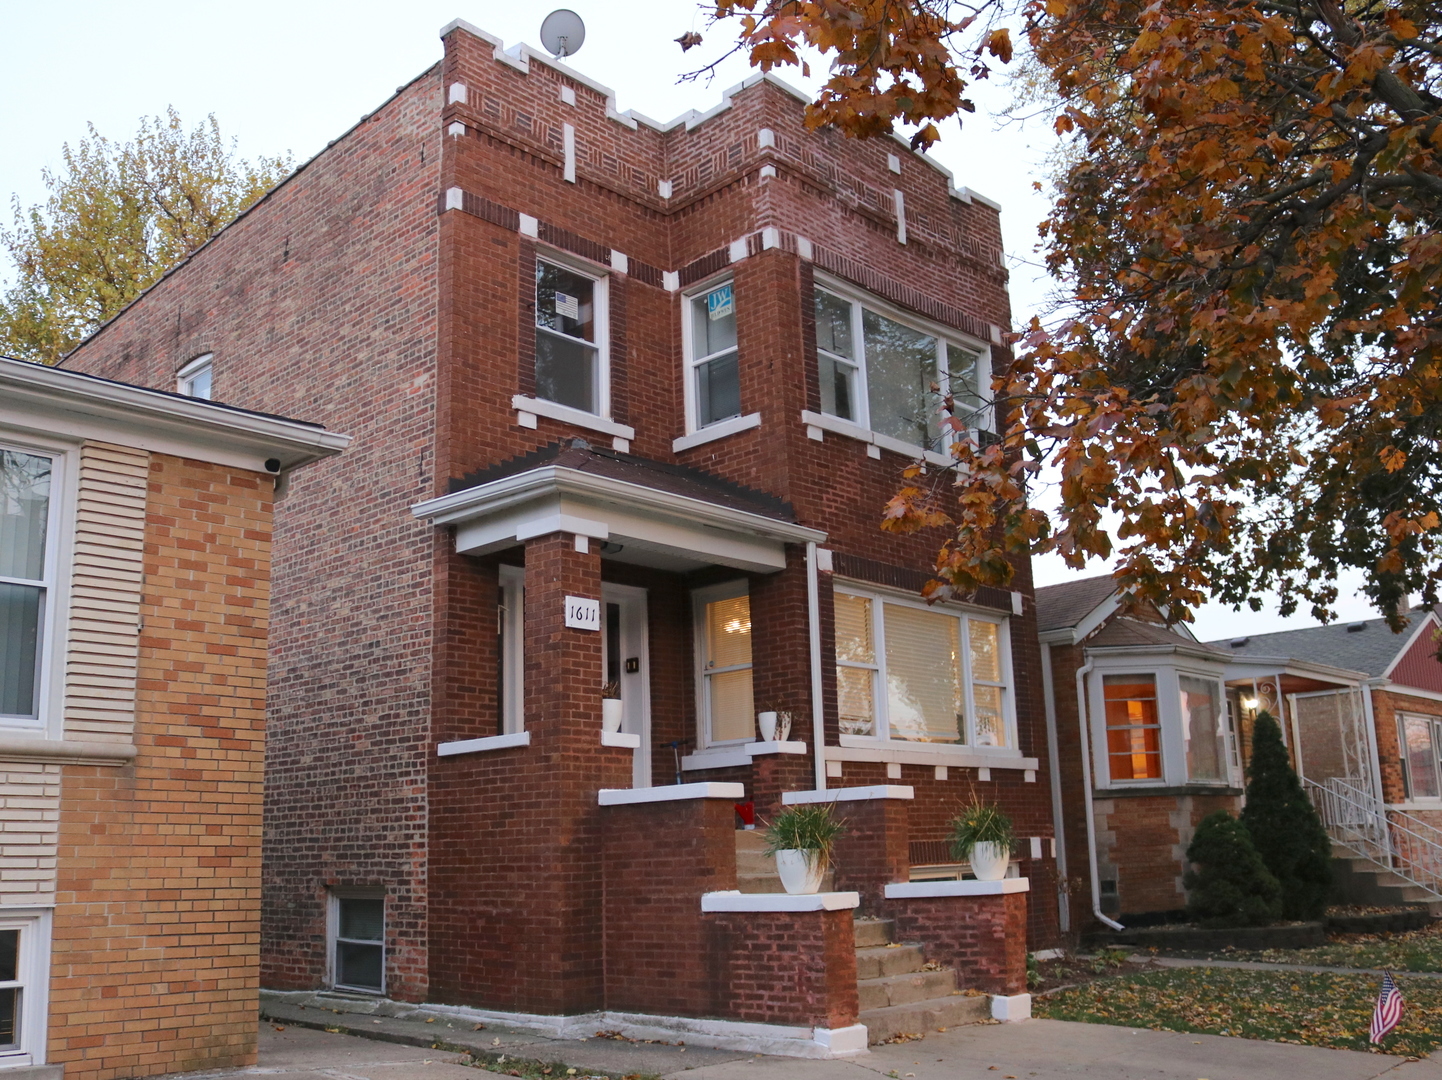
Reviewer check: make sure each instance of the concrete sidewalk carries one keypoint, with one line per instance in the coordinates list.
(1034, 1050)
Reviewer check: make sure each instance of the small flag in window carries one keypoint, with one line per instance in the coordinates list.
(568, 307)
(1388, 1012)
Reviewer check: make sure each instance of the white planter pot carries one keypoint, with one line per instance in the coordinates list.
(988, 861)
(613, 711)
(801, 871)
(767, 722)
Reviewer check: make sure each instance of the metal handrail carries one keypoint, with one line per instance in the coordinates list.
(1392, 839)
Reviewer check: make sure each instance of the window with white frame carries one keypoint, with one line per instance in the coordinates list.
(888, 373)
(723, 637)
(195, 378)
(921, 674)
(27, 573)
(510, 629)
(571, 337)
(24, 963)
(358, 940)
(713, 377)
(1159, 725)
(1420, 752)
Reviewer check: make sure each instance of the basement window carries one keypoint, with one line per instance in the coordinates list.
(358, 948)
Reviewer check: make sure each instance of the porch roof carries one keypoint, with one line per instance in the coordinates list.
(645, 512)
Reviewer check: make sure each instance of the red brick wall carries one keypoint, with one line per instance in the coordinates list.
(784, 967)
(1142, 844)
(874, 850)
(982, 937)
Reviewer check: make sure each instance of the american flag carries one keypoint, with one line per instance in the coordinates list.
(1388, 1012)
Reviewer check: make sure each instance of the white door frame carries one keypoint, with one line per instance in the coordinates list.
(636, 685)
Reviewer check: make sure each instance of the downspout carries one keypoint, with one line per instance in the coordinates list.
(1086, 756)
(1048, 699)
(1374, 753)
(813, 621)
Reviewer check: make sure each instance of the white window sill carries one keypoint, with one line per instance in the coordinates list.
(716, 759)
(621, 738)
(568, 415)
(758, 749)
(915, 890)
(849, 794)
(718, 430)
(861, 748)
(670, 793)
(739, 901)
(838, 426)
(481, 746)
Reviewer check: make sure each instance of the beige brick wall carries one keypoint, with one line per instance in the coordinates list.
(29, 819)
(156, 939)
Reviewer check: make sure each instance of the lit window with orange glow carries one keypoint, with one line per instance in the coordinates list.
(1134, 745)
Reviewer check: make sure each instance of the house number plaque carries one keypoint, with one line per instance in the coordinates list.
(583, 614)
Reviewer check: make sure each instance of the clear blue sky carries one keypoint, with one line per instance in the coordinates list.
(291, 76)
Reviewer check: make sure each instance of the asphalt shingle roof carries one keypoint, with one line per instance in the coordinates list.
(1123, 632)
(1060, 607)
(1370, 649)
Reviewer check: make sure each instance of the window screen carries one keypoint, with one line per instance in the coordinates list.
(900, 375)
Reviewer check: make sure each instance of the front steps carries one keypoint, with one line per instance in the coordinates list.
(1356, 880)
(899, 996)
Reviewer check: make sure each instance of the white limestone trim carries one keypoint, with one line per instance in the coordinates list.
(457, 93)
(568, 145)
(481, 746)
(778, 1039)
(715, 759)
(619, 262)
(913, 890)
(66, 751)
(775, 746)
(861, 748)
(671, 793)
(1010, 1008)
(718, 430)
(455, 198)
(849, 794)
(527, 225)
(739, 901)
(627, 739)
(568, 415)
(834, 424)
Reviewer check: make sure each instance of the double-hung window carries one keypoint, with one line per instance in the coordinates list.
(27, 573)
(1134, 728)
(358, 941)
(905, 671)
(1420, 752)
(713, 378)
(883, 373)
(24, 965)
(723, 636)
(571, 338)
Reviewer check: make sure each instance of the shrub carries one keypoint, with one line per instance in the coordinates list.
(1229, 884)
(980, 823)
(1284, 826)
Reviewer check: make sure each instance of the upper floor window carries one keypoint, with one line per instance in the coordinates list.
(195, 378)
(571, 338)
(1420, 752)
(723, 618)
(906, 671)
(889, 375)
(26, 579)
(713, 378)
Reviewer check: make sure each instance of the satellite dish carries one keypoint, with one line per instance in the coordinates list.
(563, 33)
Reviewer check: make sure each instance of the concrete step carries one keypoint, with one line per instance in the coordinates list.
(882, 960)
(771, 883)
(905, 989)
(873, 932)
(753, 862)
(924, 1017)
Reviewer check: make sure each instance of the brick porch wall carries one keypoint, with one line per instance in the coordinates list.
(793, 968)
(982, 937)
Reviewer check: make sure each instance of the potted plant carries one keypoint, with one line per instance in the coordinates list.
(982, 835)
(612, 711)
(801, 838)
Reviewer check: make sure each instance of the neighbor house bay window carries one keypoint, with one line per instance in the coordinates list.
(568, 337)
(1203, 728)
(890, 376)
(25, 580)
(909, 672)
(1134, 730)
(724, 639)
(711, 356)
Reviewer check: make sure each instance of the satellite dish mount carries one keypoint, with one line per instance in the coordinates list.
(563, 33)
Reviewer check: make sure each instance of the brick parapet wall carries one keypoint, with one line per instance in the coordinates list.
(874, 851)
(155, 950)
(796, 968)
(982, 937)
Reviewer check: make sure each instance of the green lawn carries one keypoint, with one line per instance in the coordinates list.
(1311, 1009)
(1416, 950)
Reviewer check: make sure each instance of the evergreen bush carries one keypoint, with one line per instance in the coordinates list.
(1285, 827)
(1229, 885)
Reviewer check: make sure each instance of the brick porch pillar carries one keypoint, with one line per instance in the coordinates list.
(875, 849)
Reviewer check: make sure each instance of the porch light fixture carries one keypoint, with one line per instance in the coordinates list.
(1249, 703)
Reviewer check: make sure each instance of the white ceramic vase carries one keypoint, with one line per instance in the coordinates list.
(801, 871)
(613, 711)
(988, 861)
(767, 722)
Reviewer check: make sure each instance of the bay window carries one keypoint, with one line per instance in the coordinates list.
(1158, 724)
(26, 581)
(905, 671)
(570, 338)
(723, 636)
(1134, 731)
(713, 377)
(889, 374)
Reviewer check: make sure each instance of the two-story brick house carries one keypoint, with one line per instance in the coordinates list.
(627, 398)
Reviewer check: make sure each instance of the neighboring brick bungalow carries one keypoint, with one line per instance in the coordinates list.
(135, 538)
(628, 399)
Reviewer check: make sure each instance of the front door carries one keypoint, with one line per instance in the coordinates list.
(626, 663)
